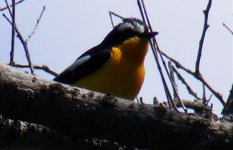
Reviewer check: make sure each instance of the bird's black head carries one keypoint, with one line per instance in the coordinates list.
(130, 27)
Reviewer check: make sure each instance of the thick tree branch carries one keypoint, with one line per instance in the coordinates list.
(15, 134)
(23, 134)
(81, 114)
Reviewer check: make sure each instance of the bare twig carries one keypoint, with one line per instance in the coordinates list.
(178, 64)
(112, 13)
(175, 90)
(204, 94)
(19, 35)
(37, 23)
(180, 77)
(155, 48)
(227, 28)
(8, 7)
(217, 94)
(4, 8)
(200, 78)
(207, 102)
(12, 31)
(161, 57)
(206, 14)
(196, 74)
(40, 67)
(166, 89)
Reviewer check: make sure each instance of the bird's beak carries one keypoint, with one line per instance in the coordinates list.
(149, 35)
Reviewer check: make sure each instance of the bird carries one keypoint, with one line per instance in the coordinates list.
(116, 65)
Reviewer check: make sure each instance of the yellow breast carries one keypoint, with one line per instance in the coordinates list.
(123, 74)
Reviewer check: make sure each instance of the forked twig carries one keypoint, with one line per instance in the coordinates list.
(24, 43)
(195, 74)
(19, 35)
(200, 78)
(112, 13)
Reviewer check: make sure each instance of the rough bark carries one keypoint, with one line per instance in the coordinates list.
(81, 114)
(20, 134)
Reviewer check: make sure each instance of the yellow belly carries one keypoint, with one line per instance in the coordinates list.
(123, 74)
(118, 76)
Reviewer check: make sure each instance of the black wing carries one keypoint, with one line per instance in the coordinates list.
(87, 63)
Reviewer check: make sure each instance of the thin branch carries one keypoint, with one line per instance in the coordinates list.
(112, 13)
(40, 67)
(166, 89)
(12, 32)
(8, 8)
(37, 23)
(154, 48)
(4, 8)
(161, 57)
(204, 93)
(206, 14)
(199, 77)
(217, 94)
(207, 102)
(178, 64)
(180, 77)
(227, 28)
(19, 35)
(175, 90)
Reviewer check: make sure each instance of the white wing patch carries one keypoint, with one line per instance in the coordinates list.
(78, 62)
